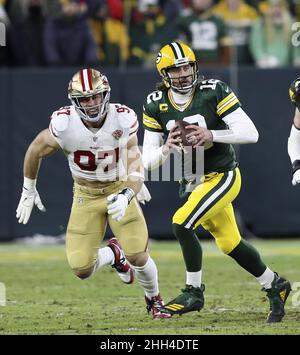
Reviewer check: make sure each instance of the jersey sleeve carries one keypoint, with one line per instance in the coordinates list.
(151, 120)
(294, 93)
(226, 100)
(59, 124)
(127, 118)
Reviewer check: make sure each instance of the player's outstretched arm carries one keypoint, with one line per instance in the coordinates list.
(294, 148)
(43, 145)
(118, 203)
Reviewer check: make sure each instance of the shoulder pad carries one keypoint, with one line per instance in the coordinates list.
(211, 84)
(60, 119)
(154, 97)
(152, 102)
(126, 116)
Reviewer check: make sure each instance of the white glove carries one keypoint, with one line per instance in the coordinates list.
(296, 178)
(143, 195)
(116, 206)
(29, 198)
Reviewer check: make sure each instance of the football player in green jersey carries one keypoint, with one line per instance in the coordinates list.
(218, 121)
(294, 138)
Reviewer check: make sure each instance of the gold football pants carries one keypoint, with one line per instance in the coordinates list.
(210, 205)
(87, 225)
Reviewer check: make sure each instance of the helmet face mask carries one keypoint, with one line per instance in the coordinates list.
(86, 84)
(177, 55)
(182, 80)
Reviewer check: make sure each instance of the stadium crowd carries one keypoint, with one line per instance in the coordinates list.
(130, 32)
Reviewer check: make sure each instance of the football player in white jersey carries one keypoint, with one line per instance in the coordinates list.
(294, 138)
(100, 142)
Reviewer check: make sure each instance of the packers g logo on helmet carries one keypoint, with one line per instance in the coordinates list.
(176, 54)
(158, 58)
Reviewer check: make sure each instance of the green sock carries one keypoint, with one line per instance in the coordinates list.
(248, 258)
(190, 246)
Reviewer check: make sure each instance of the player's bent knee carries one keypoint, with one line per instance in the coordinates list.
(138, 259)
(179, 231)
(82, 264)
(227, 245)
(83, 273)
(179, 217)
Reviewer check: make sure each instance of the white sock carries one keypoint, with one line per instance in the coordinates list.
(266, 278)
(105, 257)
(194, 278)
(147, 278)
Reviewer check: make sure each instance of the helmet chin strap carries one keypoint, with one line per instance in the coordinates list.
(182, 92)
(93, 119)
(102, 109)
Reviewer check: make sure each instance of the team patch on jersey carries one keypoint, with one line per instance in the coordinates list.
(117, 134)
(163, 107)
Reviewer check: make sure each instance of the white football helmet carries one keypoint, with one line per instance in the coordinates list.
(86, 83)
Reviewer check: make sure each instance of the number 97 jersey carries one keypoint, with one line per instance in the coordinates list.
(212, 101)
(94, 155)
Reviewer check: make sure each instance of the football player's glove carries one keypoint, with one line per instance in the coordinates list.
(296, 178)
(118, 203)
(143, 195)
(29, 198)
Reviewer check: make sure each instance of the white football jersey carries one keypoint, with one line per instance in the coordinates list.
(95, 155)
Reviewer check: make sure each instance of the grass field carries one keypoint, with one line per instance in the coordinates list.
(44, 297)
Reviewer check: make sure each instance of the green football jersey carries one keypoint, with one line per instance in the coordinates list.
(212, 101)
(294, 98)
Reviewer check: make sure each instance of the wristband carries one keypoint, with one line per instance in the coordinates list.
(296, 165)
(137, 174)
(29, 184)
(128, 193)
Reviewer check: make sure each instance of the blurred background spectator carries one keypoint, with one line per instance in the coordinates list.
(238, 17)
(270, 41)
(120, 33)
(110, 31)
(67, 37)
(205, 32)
(149, 31)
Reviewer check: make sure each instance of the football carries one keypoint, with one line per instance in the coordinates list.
(181, 126)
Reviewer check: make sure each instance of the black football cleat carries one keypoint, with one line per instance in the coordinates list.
(191, 299)
(277, 295)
